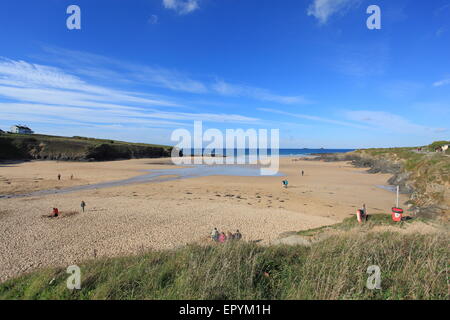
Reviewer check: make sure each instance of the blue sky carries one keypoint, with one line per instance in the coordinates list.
(138, 69)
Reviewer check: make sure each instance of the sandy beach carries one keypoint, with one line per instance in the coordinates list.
(128, 219)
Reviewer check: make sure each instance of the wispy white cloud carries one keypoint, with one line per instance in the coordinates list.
(324, 9)
(313, 118)
(390, 122)
(21, 80)
(44, 93)
(368, 120)
(442, 82)
(228, 89)
(104, 68)
(114, 116)
(181, 6)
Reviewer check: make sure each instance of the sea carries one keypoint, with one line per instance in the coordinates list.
(282, 152)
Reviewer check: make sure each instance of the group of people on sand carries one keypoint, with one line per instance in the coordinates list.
(285, 183)
(222, 237)
(59, 176)
(55, 212)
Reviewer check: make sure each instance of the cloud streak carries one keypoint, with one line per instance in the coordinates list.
(322, 10)
(181, 6)
(313, 118)
(441, 83)
(44, 93)
(228, 89)
(390, 122)
(103, 68)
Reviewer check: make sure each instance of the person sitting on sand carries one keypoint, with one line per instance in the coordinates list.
(215, 235)
(361, 214)
(55, 213)
(237, 235)
(222, 237)
(285, 183)
(229, 236)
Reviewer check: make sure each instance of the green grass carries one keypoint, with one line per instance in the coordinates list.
(412, 267)
(84, 140)
(437, 144)
(429, 172)
(351, 223)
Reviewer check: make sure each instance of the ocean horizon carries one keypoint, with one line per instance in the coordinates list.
(282, 152)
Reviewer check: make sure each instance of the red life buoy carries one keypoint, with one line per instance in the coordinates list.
(397, 214)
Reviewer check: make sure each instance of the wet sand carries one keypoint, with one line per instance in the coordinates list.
(163, 215)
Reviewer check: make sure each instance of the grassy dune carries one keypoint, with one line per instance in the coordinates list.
(23, 147)
(428, 173)
(412, 266)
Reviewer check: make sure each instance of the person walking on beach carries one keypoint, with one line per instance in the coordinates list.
(215, 235)
(83, 205)
(303, 173)
(59, 176)
(71, 177)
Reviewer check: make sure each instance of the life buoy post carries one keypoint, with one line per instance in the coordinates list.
(397, 214)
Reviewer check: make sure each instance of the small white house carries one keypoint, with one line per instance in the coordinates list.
(21, 129)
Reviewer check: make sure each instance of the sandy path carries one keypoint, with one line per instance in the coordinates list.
(128, 219)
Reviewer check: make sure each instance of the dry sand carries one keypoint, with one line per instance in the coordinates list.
(163, 215)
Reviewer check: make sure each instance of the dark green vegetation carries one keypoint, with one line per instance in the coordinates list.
(27, 147)
(426, 174)
(412, 267)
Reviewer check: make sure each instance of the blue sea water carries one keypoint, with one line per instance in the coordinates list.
(305, 152)
(282, 152)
